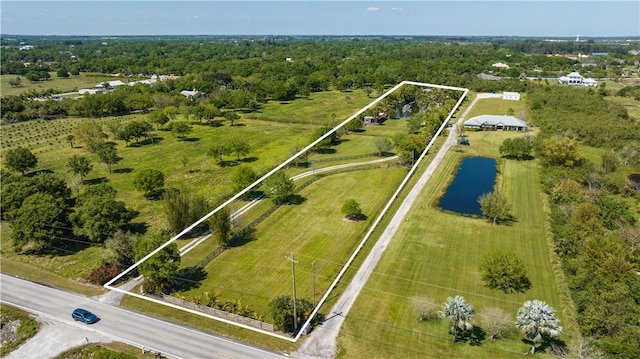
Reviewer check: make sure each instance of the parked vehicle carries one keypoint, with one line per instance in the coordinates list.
(464, 141)
(83, 315)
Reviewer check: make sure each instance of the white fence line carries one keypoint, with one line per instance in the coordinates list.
(109, 285)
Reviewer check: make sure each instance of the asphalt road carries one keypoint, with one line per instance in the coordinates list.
(171, 340)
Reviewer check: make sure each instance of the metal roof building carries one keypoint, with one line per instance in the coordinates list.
(495, 122)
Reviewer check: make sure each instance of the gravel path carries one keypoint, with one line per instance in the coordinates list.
(55, 337)
(322, 341)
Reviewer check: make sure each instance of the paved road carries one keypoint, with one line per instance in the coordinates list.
(172, 340)
(322, 341)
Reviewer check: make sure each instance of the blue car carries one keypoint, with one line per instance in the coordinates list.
(84, 315)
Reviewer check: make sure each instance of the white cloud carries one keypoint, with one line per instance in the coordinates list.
(373, 9)
(397, 9)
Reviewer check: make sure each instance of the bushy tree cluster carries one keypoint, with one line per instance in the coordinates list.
(282, 313)
(161, 269)
(98, 215)
(503, 270)
(494, 207)
(519, 148)
(593, 224)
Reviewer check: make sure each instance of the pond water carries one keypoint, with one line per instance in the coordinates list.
(635, 178)
(475, 177)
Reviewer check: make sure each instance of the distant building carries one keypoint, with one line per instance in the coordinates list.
(93, 91)
(511, 96)
(495, 123)
(500, 65)
(370, 120)
(26, 47)
(483, 76)
(192, 94)
(575, 79)
(110, 84)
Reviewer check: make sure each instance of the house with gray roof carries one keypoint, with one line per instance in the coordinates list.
(495, 123)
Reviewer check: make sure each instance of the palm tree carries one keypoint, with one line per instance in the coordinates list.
(459, 313)
(79, 165)
(537, 319)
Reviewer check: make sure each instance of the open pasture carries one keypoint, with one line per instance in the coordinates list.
(435, 255)
(320, 108)
(314, 231)
(61, 85)
(498, 106)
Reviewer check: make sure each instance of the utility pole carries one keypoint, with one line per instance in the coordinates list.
(313, 276)
(293, 276)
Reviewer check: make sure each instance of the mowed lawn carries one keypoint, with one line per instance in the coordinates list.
(435, 255)
(314, 231)
(327, 108)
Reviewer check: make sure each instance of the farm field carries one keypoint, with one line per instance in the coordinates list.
(62, 85)
(326, 108)
(435, 255)
(270, 143)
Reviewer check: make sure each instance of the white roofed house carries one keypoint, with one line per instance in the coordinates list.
(495, 123)
(192, 94)
(511, 96)
(110, 84)
(575, 79)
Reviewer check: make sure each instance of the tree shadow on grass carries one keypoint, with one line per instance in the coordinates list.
(509, 221)
(548, 345)
(148, 141)
(249, 159)
(138, 227)
(94, 181)
(57, 249)
(296, 199)
(123, 170)
(473, 337)
(154, 195)
(359, 217)
(243, 237)
(190, 278)
(325, 151)
(190, 139)
(227, 163)
(35, 173)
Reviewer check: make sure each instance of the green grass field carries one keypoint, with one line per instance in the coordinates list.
(498, 106)
(327, 108)
(435, 255)
(270, 143)
(61, 85)
(314, 231)
(632, 106)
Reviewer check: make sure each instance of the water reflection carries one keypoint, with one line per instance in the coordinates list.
(475, 177)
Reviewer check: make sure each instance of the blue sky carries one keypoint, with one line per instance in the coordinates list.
(461, 18)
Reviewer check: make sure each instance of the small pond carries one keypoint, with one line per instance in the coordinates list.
(635, 178)
(475, 177)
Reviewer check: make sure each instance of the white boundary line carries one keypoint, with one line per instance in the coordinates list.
(108, 285)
